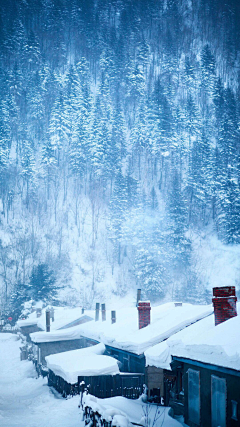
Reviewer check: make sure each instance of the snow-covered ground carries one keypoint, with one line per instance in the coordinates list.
(27, 401)
(121, 410)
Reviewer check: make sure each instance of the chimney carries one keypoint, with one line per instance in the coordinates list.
(144, 309)
(52, 313)
(48, 320)
(138, 296)
(97, 311)
(103, 312)
(224, 303)
(113, 316)
(178, 304)
(82, 310)
(39, 312)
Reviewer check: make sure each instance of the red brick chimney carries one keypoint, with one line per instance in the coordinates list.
(144, 309)
(224, 303)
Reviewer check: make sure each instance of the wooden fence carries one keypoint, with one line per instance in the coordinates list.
(103, 386)
(124, 384)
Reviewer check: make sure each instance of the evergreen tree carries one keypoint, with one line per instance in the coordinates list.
(118, 212)
(42, 284)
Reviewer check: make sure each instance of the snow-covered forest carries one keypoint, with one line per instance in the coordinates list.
(119, 152)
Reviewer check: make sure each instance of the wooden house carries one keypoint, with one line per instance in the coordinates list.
(133, 333)
(125, 340)
(60, 318)
(207, 369)
(63, 339)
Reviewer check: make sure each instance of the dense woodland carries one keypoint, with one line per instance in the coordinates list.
(119, 138)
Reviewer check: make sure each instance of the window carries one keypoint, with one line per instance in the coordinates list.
(194, 396)
(218, 394)
(234, 410)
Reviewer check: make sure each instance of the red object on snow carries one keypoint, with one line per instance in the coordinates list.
(224, 303)
(10, 319)
(144, 309)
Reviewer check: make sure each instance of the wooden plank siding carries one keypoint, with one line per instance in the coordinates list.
(206, 372)
(103, 386)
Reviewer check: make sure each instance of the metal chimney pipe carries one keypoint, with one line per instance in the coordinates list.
(39, 312)
(97, 311)
(82, 310)
(138, 296)
(103, 312)
(113, 316)
(48, 320)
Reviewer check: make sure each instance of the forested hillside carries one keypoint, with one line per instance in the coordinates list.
(119, 151)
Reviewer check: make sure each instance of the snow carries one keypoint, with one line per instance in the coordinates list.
(217, 263)
(62, 317)
(122, 411)
(218, 346)
(166, 319)
(59, 335)
(82, 362)
(160, 355)
(204, 342)
(27, 401)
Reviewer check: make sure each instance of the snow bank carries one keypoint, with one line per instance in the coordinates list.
(8, 336)
(27, 401)
(83, 362)
(122, 411)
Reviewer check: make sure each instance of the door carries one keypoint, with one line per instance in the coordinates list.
(218, 400)
(194, 396)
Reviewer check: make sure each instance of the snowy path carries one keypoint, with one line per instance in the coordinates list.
(26, 401)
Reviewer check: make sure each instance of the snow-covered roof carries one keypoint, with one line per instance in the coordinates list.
(83, 362)
(67, 334)
(160, 355)
(63, 316)
(204, 342)
(166, 319)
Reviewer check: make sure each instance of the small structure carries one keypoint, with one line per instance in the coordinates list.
(57, 341)
(60, 318)
(67, 371)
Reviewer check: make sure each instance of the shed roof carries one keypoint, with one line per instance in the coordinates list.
(64, 317)
(88, 361)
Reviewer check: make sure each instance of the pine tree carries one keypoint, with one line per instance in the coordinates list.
(42, 284)
(150, 274)
(118, 212)
(177, 223)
